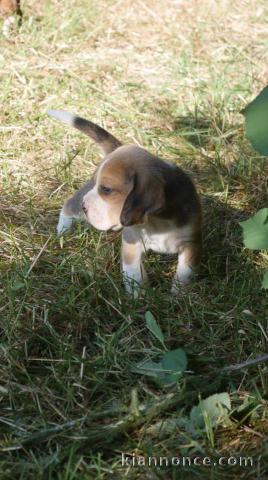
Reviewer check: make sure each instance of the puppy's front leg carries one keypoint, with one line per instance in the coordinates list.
(134, 274)
(188, 261)
(72, 208)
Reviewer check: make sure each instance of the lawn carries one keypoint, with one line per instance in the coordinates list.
(171, 76)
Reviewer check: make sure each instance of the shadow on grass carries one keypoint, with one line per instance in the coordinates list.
(71, 335)
(201, 131)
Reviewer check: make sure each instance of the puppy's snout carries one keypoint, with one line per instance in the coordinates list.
(84, 208)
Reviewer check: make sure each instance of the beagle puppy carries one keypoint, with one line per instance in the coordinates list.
(8, 10)
(152, 200)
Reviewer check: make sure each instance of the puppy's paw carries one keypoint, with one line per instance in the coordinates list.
(134, 278)
(64, 223)
(179, 288)
(175, 289)
(133, 288)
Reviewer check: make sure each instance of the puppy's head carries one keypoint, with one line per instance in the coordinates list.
(128, 185)
(128, 188)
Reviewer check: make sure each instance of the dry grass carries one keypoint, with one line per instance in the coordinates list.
(171, 76)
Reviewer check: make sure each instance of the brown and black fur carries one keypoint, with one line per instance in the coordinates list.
(161, 196)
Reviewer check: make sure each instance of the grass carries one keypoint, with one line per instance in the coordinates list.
(171, 76)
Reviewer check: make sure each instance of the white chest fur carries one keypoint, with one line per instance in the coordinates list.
(168, 241)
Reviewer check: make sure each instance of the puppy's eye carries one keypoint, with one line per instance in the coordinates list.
(105, 190)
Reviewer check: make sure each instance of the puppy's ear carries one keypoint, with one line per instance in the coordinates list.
(146, 197)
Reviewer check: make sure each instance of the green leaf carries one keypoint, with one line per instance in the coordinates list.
(255, 230)
(165, 372)
(147, 367)
(154, 327)
(215, 408)
(256, 114)
(175, 360)
(265, 280)
(173, 365)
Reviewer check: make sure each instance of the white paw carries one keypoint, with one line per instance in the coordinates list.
(175, 289)
(64, 223)
(132, 287)
(179, 287)
(134, 280)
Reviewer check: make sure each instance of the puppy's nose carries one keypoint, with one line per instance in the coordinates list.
(84, 208)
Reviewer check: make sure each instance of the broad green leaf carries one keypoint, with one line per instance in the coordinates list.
(265, 280)
(147, 367)
(216, 408)
(256, 114)
(156, 372)
(175, 360)
(154, 327)
(165, 372)
(255, 230)
(173, 365)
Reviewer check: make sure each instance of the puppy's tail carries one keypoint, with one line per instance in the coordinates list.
(104, 139)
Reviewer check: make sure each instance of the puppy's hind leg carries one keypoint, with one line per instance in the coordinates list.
(188, 261)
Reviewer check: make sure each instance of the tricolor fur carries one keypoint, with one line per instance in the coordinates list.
(153, 201)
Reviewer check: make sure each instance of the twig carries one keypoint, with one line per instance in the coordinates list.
(247, 363)
(104, 434)
(38, 256)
